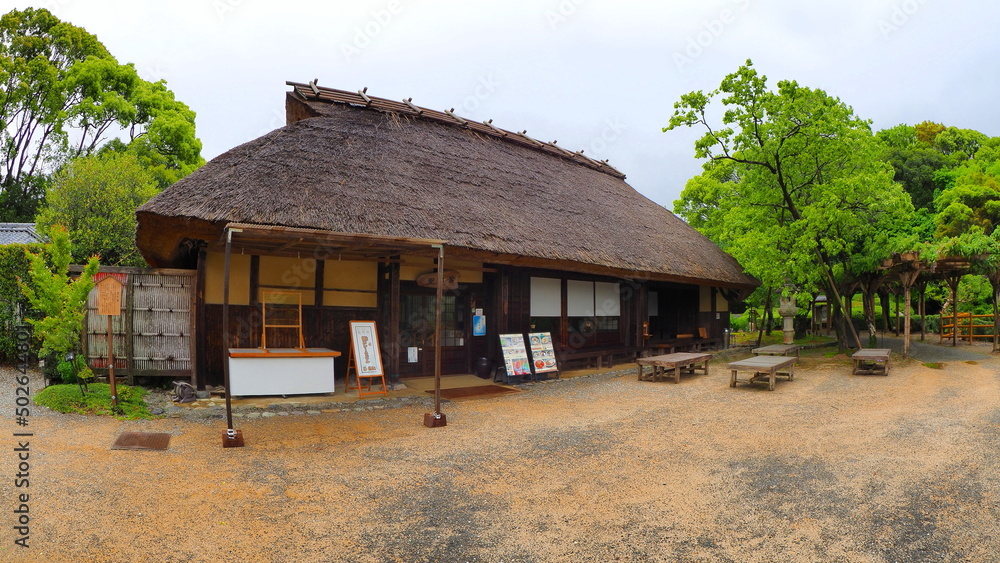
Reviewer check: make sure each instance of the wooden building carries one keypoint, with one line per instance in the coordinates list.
(344, 202)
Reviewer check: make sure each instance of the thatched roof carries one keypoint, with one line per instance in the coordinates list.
(352, 169)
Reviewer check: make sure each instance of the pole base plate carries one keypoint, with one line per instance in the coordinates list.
(434, 420)
(232, 439)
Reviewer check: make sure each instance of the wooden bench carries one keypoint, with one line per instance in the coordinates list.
(778, 350)
(871, 361)
(764, 369)
(591, 356)
(596, 356)
(674, 363)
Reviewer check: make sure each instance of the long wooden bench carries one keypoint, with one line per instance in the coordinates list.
(596, 357)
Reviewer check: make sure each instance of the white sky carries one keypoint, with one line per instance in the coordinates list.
(593, 74)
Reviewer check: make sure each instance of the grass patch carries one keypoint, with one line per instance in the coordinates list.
(934, 365)
(777, 337)
(97, 401)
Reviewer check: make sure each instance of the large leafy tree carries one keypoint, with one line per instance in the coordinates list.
(63, 95)
(795, 187)
(95, 198)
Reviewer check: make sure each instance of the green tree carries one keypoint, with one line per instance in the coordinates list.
(927, 131)
(810, 200)
(64, 95)
(95, 198)
(59, 299)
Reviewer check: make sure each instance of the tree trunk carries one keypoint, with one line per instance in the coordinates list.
(883, 297)
(764, 318)
(994, 278)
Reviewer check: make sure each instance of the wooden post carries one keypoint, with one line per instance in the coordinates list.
(908, 278)
(111, 364)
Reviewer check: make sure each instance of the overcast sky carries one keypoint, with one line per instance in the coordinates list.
(593, 74)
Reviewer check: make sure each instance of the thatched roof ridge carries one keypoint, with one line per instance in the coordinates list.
(312, 92)
(383, 173)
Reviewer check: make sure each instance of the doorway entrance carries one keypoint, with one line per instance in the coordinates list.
(416, 332)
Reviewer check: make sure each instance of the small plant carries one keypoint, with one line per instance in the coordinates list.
(934, 365)
(75, 372)
(67, 399)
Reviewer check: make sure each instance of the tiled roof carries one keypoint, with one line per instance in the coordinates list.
(18, 233)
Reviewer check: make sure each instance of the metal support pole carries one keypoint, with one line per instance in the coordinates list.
(437, 418)
(437, 330)
(231, 438)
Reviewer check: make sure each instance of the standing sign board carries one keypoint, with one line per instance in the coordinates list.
(515, 357)
(365, 359)
(109, 302)
(109, 296)
(543, 356)
(367, 356)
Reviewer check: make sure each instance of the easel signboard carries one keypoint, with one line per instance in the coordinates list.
(365, 359)
(515, 357)
(543, 356)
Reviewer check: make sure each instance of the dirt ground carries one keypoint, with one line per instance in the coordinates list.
(828, 467)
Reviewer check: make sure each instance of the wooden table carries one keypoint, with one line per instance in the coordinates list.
(764, 368)
(871, 360)
(778, 350)
(676, 362)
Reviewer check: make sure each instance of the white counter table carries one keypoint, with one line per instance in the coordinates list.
(281, 371)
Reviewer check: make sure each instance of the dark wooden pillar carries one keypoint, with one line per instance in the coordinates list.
(394, 319)
(200, 364)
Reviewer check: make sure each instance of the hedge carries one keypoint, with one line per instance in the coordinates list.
(14, 263)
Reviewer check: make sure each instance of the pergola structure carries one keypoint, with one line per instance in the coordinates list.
(910, 269)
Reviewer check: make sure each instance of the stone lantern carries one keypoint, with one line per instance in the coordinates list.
(787, 310)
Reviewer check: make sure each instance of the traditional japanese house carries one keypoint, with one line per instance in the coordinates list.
(345, 203)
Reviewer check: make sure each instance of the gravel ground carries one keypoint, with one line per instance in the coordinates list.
(828, 467)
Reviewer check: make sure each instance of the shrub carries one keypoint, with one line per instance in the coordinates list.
(74, 372)
(14, 264)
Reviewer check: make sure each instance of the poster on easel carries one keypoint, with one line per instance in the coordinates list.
(515, 356)
(543, 356)
(364, 344)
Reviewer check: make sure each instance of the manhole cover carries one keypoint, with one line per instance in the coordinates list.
(142, 441)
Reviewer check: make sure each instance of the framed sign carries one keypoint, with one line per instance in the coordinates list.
(478, 325)
(543, 356)
(364, 344)
(515, 357)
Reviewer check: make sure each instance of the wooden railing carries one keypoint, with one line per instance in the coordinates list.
(968, 328)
